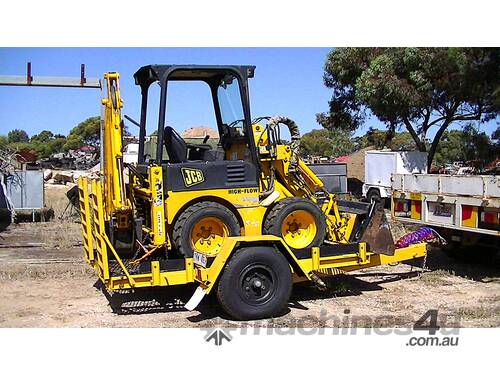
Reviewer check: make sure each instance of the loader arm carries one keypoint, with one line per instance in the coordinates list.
(285, 172)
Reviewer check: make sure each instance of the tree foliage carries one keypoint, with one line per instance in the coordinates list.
(42, 137)
(415, 88)
(321, 142)
(379, 139)
(4, 141)
(17, 135)
(468, 144)
(316, 143)
(85, 133)
(496, 135)
(46, 143)
(342, 142)
(478, 146)
(451, 148)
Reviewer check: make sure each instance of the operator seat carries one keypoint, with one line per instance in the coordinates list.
(175, 145)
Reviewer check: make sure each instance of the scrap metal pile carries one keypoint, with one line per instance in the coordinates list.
(81, 159)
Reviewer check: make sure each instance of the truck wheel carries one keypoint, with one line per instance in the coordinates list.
(204, 226)
(256, 283)
(374, 195)
(300, 222)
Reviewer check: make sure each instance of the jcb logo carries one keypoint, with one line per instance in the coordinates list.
(192, 176)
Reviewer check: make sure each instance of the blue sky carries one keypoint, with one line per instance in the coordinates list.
(288, 81)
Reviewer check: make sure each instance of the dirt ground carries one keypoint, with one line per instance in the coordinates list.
(45, 283)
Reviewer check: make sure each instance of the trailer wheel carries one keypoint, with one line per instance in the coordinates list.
(204, 226)
(256, 283)
(300, 222)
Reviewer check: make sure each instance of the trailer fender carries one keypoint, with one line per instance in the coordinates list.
(208, 275)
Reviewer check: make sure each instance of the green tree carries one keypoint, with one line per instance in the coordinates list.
(3, 141)
(415, 88)
(17, 135)
(21, 146)
(496, 135)
(316, 143)
(321, 142)
(43, 136)
(402, 141)
(73, 142)
(397, 141)
(85, 133)
(375, 137)
(46, 143)
(342, 142)
(468, 144)
(478, 146)
(56, 145)
(451, 148)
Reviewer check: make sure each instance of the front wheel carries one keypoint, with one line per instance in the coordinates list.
(255, 284)
(300, 223)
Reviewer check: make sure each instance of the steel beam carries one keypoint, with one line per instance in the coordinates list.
(29, 80)
(94, 83)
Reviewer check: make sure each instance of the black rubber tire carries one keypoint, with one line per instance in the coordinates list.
(374, 195)
(277, 214)
(241, 270)
(191, 215)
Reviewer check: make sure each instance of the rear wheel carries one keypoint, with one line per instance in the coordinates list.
(256, 283)
(204, 227)
(374, 195)
(298, 221)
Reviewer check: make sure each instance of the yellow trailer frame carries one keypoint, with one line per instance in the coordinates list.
(305, 264)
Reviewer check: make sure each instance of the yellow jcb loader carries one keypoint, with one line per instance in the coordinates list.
(245, 216)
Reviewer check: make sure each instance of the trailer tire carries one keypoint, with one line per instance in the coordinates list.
(307, 231)
(211, 222)
(256, 283)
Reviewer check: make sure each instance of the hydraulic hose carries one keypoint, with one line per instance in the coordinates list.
(294, 135)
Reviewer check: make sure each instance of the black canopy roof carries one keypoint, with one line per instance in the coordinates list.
(151, 73)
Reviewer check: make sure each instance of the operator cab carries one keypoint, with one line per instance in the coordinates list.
(235, 151)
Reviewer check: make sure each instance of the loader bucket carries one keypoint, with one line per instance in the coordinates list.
(372, 227)
(378, 234)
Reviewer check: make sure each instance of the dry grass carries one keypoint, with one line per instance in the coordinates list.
(56, 234)
(30, 272)
(60, 233)
(55, 197)
(479, 312)
(436, 278)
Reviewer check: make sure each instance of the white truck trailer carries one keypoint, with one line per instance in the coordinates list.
(381, 164)
(465, 210)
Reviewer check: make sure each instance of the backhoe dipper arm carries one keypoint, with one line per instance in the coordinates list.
(111, 147)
